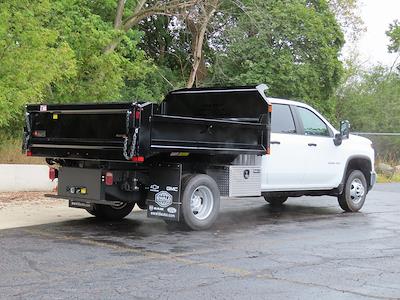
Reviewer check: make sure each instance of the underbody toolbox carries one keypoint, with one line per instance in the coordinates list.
(80, 183)
(237, 181)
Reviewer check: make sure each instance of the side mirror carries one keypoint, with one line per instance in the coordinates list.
(345, 129)
(338, 139)
(344, 133)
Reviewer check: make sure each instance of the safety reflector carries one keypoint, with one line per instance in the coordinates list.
(270, 108)
(53, 174)
(29, 153)
(109, 178)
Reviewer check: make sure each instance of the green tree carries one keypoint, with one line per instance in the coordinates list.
(99, 76)
(348, 16)
(292, 46)
(394, 34)
(394, 47)
(31, 59)
(371, 101)
(53, 52)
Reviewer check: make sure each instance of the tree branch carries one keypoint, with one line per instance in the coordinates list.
(140, 13)
(119, 14)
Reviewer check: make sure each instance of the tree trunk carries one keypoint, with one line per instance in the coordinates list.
(198, 73)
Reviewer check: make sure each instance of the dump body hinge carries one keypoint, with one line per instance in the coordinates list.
(132, 132)
(27, 132)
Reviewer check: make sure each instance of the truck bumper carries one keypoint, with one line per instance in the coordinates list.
(373, 180)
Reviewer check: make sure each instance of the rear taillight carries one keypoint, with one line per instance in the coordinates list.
(53, 174)
(28, 153)
(39, 133)
(109, 178)
(137, 114)
(138, 159)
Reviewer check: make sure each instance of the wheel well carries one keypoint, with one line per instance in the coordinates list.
(362, 164)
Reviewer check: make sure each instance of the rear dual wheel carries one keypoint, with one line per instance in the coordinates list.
(111, 212)
(200, 199)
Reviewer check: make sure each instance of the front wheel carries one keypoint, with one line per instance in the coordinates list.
(200, 201)
(355, 190)
(111, 212)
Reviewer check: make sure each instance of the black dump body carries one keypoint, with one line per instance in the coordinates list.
(204, 121)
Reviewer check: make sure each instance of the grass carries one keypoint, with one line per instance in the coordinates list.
(10, 153)
(385, 179)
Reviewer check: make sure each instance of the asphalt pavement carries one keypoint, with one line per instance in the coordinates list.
(308, 249)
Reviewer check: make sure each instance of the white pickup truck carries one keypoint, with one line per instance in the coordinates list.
(310, 157)
(177, 158)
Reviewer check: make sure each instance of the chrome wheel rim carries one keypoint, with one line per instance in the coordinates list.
(201, 202)
(357, 191)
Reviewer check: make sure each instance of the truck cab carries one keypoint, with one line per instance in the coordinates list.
(310, 157)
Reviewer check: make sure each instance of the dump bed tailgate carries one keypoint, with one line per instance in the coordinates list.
(94, 131)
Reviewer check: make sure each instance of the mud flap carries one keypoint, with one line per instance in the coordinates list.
(163, 199)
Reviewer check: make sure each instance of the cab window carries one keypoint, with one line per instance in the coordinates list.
(282, 119)
(312, 124)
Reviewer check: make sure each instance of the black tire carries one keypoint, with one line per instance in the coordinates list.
(275, 201)
(354, 193)
(204, 190)
(111, 213)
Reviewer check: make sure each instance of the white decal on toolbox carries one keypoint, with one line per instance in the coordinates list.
(154, 188)
(43, 107)
(163, 199)
(171, 210)
(172, 188)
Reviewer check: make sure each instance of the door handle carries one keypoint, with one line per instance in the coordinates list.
(312, 145)
(275, 142)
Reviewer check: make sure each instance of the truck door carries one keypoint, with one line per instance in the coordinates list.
(283, 169)
(322, 156)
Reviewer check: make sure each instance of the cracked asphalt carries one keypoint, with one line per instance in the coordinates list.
(306, 250)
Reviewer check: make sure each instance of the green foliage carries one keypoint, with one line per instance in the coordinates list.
(394, 34)
(370, 99)
(99, 77)
(168, 43)
(296, 56)
(31, 59)
(372, 104)
(52, 52)
(349, 17)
